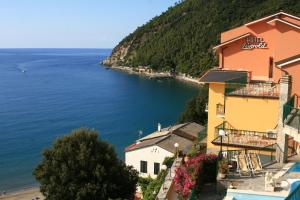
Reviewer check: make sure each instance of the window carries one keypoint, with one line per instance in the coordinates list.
(143, 166)
(156, 168)
(271, 68)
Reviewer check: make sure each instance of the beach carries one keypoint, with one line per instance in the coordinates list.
(31, 193)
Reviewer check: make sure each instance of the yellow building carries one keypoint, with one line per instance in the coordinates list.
(246, 112)
(254, 91)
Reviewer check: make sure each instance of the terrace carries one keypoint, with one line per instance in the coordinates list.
(267, 90)
(244, 138)
(256, 185)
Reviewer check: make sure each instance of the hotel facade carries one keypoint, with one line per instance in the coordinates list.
(254, 93)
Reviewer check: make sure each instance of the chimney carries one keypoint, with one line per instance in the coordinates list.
(158, 127)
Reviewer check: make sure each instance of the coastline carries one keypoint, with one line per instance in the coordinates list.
(29, 193)
(153, 75)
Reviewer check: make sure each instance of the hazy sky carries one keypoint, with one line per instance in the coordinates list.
(73, 23)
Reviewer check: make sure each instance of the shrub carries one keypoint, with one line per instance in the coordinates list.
(187, 175)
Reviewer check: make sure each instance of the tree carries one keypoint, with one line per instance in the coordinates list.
(195, 108)
(79, 167)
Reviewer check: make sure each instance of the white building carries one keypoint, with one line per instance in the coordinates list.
(148, 153)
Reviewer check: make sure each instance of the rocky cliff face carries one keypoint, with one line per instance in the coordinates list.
(117, 57)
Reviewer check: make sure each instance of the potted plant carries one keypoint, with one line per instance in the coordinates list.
(222, 168)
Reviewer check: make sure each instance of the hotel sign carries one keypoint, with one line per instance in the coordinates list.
(254, 43)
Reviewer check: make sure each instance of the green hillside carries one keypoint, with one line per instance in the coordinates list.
(183, 36)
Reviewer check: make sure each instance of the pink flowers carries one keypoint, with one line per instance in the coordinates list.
(186, 175)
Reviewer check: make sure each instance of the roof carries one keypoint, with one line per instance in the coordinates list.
(190, 130)
(271, 16)
(183, 134)
(232, 40)
(285, 22)
(288, 61)
(155, 135)
(222, 76)
(145, 143)
(164, 131)
(168, 143)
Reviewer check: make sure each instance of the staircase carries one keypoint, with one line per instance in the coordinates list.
(292, 124)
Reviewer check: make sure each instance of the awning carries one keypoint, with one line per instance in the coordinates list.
(222, 76)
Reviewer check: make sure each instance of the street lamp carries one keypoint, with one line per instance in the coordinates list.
(221, 134)
(176, 145)
(164, 167)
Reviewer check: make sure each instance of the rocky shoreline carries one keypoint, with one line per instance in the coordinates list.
(144, 71)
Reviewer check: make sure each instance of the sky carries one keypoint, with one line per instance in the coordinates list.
(73, 23)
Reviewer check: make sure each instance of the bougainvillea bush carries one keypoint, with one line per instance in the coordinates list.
(187, 175)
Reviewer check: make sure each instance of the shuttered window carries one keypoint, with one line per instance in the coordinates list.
(143, 168)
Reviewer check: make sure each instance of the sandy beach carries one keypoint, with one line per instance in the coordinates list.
(26, 194)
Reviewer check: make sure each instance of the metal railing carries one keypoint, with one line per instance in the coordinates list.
(236, 137)
(267, 157)
(253, 89)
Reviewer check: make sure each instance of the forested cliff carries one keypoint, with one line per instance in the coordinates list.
(183, 36)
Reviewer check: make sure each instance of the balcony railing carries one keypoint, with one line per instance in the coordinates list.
(270, 90)
(244, 138)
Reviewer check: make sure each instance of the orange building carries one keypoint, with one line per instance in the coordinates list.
(254, 92)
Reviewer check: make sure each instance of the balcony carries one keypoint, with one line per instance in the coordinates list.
(267, 90)
(244, 138)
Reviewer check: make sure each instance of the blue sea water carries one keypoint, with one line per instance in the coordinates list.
(45, 93)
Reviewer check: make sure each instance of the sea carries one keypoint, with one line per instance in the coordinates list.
(46, 93)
